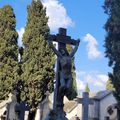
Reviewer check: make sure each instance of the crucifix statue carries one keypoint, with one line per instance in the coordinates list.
(64, 65)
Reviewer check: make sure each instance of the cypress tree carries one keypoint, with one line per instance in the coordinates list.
(38, 59)
(87, 89)
(112, 43)
(8, 51)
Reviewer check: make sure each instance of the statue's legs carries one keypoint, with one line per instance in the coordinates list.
(58, 113)
(60, 97)
(62, 81)
(69, 82)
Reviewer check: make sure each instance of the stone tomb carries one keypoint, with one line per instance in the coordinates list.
(12, 110)
(85, 101)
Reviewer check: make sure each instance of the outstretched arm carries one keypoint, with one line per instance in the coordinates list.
(75, 49)
(54, 49)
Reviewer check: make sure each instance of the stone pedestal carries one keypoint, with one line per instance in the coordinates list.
(57, 115)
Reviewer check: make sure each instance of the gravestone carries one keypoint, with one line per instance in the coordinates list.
(85, 101)
(4, 106)
(26, 115)
(43, 109)
(107, 118)
(11, 113)
(4, 116)
(22, 110)
(15, 110)
(63, 73)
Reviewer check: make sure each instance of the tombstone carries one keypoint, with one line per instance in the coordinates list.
(17, 111)
(85, 101)
(43, 109)
(11, 113)
(63, 73)
(26, 115)
(22, 110)
(107, 118)
(4, 116)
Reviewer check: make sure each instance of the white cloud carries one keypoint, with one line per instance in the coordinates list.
(80, 85)
(92, 49)
(94, 79)
(98, 84)
(20, 33)
(57, 15)
(103, 78)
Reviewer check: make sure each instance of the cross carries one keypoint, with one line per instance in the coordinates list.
(62, 40)
(62, 37)
(85, 105)
(24, 110)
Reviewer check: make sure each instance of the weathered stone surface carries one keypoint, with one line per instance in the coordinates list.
(63, 73)
(12, 110)
(85, 101)
(57, 115)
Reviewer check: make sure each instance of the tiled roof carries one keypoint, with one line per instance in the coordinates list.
(99, 95)
(102, 94)
(69, 106)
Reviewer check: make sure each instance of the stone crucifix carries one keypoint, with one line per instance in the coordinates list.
(85, 101)
(64, 61)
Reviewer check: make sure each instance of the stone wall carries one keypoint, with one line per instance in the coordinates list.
(104, 104)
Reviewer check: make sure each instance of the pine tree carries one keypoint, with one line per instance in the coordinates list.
(112, 43)
(8, 51)
(38, 59)
(73, 90)
(87, 89)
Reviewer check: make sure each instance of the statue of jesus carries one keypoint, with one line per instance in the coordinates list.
(65, 60)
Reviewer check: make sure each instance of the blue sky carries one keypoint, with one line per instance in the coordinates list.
(84, 19)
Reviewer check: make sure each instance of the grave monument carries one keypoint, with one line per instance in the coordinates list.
(85, 101)
(63, 72)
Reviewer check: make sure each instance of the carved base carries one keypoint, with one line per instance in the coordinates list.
(57, 115)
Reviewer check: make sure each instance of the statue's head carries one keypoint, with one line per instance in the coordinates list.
(64, 52)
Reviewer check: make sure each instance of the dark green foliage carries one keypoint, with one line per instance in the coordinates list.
(8, 51)
(109, 85)
(73, 90)
(38, 59)
(87, 89)
(112, 43)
